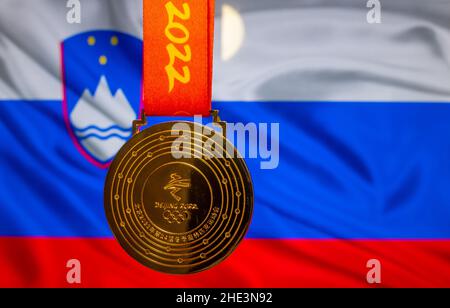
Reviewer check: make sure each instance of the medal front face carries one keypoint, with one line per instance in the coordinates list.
(175, 205)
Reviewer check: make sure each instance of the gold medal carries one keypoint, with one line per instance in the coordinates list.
(178, 215)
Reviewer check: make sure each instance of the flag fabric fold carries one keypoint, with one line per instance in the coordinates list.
(364, 141)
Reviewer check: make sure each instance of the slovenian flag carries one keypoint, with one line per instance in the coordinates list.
(363, 177)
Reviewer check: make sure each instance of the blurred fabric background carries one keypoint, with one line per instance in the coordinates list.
(364, 141)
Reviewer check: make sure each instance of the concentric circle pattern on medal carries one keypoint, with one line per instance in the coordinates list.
(173, 203)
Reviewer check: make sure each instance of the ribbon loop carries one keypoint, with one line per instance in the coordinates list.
(178, 52)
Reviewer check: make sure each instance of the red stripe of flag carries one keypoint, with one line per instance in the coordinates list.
(41, 262)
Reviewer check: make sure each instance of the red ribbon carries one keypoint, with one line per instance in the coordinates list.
(178, 52)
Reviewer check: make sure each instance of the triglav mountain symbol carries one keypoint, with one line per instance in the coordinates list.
(102, 122)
